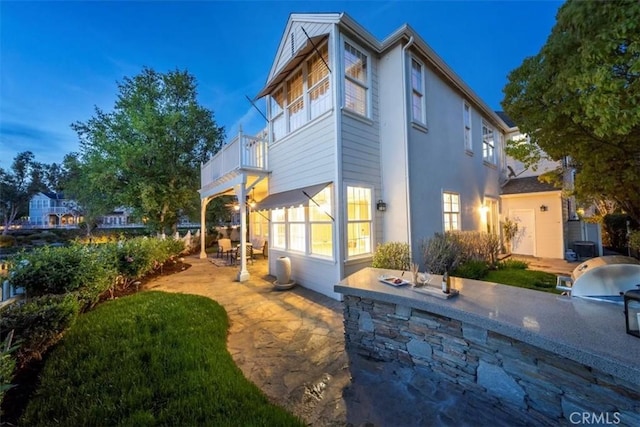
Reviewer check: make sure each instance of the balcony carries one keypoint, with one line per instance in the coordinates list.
(243, 154)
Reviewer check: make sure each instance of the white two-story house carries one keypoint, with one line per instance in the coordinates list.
(368, 141)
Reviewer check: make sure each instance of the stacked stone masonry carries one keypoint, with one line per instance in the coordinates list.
(500, 371)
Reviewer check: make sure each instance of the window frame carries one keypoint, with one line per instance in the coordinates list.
(364, 84)
(369, 221)
(421, 93)
(451, 213)
(323, 219)
(467, 126)
(488, 145)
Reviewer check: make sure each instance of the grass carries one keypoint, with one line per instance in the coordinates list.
(149, 359)
(530, 279)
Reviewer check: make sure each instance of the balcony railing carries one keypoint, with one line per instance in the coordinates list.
(242, 152)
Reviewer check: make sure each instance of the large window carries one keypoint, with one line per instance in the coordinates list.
(417, 92)
(321, 224)
(313, 222)
(304, 96)
(488, 143)
(466, 119)
(359, 221)
(356, 80)
(451, 211)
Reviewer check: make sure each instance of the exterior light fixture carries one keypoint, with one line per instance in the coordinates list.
(381, 206)
(632, 311)
(544, 208)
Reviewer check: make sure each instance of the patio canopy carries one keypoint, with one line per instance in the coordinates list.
(290, 198)
(292, 64)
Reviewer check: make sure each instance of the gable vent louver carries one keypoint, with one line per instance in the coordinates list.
(292, 45)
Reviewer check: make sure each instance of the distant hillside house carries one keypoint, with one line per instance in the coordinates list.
(53, 210)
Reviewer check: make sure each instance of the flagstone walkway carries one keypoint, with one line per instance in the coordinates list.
(291, 345)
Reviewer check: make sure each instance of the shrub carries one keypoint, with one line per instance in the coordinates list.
(441, 253)
(614, 230)
(61, 270)
(7, 241)
(38, 323)
(473, 269)
(634, 241)
(392, 255)
(478, 246)
(512, 264)
(7, 364)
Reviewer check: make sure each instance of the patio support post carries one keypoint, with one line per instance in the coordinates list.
(243, 273)
(203, 228)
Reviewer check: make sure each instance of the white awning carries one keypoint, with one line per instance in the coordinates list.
(290, 198)
(292, 64)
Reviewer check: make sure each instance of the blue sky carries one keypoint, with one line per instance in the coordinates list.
(60, 59)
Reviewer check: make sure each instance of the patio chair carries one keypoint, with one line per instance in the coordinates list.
(224, 247)
(259, 247)
(235, 254)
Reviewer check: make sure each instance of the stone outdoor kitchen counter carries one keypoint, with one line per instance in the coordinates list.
(588, 332)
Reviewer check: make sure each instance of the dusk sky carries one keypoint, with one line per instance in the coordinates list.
(60, 59)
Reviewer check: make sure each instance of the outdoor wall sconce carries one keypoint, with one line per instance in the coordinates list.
(632, 311)
(381, 206)
(543, 208)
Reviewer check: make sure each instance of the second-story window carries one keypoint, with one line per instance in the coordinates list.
(417, 92)
(488, 143)
(295, 101)
(318, 82)
(355, 80)
(466, 118)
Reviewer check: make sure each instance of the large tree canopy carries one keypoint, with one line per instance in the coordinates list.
(17, 185)
(580, 97)
(146, 153)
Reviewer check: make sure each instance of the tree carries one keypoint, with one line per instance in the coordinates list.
(146, 153)
(579, 97)
(18, 185)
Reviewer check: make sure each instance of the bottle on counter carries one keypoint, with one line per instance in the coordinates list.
(446, 283)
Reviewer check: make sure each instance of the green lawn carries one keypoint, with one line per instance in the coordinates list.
(530, 279)
(149, 359)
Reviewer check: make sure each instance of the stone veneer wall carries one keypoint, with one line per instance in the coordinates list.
(509, 374)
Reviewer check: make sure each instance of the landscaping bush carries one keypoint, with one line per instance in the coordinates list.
(634, 243)
(513, 264)
(441, 253)
(7, 241)
(61, 270)
(7, 364)
(473, 269)
(38, 323)
(478, 246)
(614, 231)
(392, 255)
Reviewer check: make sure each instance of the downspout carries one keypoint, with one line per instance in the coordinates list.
(406, 136)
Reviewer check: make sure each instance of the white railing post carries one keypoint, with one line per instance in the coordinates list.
(241, 147)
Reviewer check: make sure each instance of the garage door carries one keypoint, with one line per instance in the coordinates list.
(524, 241)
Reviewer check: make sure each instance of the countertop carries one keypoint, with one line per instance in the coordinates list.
(589, 332)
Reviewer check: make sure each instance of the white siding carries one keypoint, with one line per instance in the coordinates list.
(299, 40)
(393, 147)
(312, 273)
(305, 157)
(438, 162)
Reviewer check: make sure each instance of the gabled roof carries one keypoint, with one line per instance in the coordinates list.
(530, 184)
(403, 34)
(506, 119)
(52, 195)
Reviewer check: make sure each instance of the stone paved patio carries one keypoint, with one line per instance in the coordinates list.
(291, 345)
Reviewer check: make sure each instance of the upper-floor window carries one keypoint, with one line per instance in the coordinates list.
(488, 143)
(318, 82)
(451, 211)
(356, 79)
(466, 119)
(304, 96)
(417, 92)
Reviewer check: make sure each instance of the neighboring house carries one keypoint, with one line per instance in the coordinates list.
(368, 141)
(53, 210)
(546, 215)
